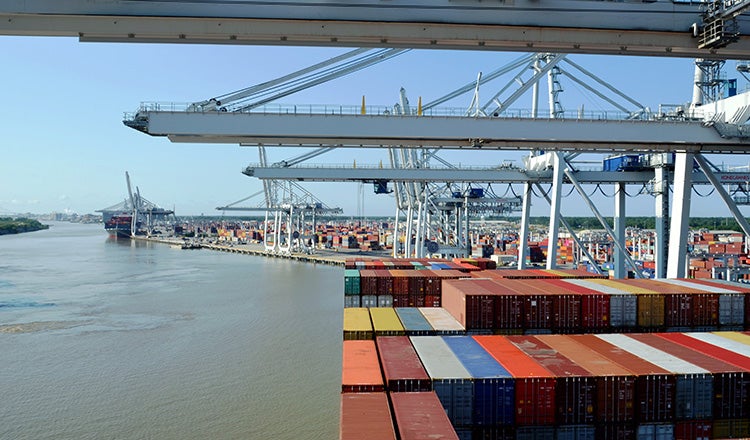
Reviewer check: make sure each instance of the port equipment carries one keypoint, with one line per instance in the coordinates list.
(293, 209)
(666, 28)
(411, 144)
(289, 204)
(142, 211)
(652, 169)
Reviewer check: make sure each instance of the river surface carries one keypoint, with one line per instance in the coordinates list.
(108, 339)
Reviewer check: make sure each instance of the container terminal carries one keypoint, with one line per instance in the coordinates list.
(539, 356)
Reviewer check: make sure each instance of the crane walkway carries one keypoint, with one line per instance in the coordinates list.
(344, 129)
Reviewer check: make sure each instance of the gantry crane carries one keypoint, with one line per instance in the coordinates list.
(141, 211)
(410, 191)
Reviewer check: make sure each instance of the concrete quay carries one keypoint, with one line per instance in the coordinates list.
(322, 256)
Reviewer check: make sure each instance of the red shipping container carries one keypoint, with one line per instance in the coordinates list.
(566, 313)
(384, 282)
(401, 300)
(416, 282)
(401, 365)
(655, 386)
(431, 282)
(575, 390)
(432, 301)
(678, 310)
(368, 282)
(615, 385)
(537, 304)
(400, 282)
(693, 430)
(421, 416)
(366, 416)
(508, 311)
(594, 306)
(470, 302)
(417, 300)
(535, 385)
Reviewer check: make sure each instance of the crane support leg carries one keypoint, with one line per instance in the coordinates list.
(661, 193)
(620, 229)
(679, 224)
(554, 216)
(523, 240)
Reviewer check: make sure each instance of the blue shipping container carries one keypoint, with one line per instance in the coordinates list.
(413, 321)
(494, 387)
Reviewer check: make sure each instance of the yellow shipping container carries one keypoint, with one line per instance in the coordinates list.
(385, 322)
(357, 324)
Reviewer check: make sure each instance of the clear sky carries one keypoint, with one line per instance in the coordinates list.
(64, 146)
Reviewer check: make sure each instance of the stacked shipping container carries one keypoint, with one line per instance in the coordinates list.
(542, 306)
(615, 386)
(532, 384)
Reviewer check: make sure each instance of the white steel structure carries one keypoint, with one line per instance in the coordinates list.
(682, 28)
(293, 209)
(413, 136)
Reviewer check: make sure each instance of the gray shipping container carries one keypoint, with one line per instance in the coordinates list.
(385, 300)
(369, 301)
(623, 306)
(576, 432)
(450, 380)
(731, 309)
(351, 301)
(655, 431)
(694, 388)
(535, 433)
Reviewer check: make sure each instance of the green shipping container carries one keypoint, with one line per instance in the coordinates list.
(351, 282)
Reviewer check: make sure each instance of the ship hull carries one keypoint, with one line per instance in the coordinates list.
(119, 226)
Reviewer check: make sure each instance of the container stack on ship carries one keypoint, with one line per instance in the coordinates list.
(454, 349)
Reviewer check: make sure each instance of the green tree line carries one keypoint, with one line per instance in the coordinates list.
(16, 226)
(710, 223)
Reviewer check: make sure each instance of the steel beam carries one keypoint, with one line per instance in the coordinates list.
(619, 245)
(371, 173)
(572, 233)
(654, 28)
(358, 131)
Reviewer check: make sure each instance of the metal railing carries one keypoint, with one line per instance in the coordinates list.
(385, 111)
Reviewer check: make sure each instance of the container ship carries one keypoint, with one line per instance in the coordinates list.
(119, 226)
(540, 354)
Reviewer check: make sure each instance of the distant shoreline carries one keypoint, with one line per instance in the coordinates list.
(10, 226)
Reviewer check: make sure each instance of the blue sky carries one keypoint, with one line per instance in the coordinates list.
(64, 146)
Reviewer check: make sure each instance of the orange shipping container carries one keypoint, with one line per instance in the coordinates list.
(361, 368)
